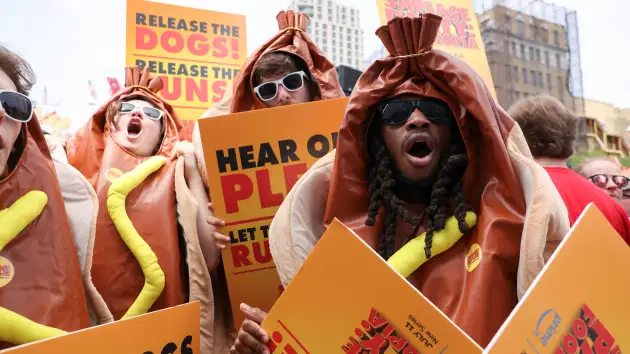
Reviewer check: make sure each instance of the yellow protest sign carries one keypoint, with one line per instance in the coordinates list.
(196, 52)
(173, 330)
(459, 34)
(347, 299)
(253, 160)
(579, 302)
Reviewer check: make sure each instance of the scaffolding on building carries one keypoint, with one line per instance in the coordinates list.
(540, 11)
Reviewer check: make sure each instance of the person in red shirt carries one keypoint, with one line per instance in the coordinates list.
(551, 130)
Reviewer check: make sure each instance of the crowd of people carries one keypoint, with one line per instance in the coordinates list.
(118, 221)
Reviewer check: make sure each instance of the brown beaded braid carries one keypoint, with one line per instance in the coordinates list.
(447, 187)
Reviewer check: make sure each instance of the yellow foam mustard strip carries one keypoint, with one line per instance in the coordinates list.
(154, 279)
(411, 256)
(14, 328)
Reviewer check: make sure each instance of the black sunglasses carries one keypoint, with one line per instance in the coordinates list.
(601, 180)
(17, 106)
(396, 112)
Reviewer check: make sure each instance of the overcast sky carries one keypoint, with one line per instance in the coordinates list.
(45, 32)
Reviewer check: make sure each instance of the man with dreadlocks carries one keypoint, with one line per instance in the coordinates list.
(423, 140)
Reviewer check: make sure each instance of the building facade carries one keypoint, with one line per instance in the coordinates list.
(335, 29)
(527, 55)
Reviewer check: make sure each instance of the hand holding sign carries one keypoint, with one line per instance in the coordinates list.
(251, 337)
(220, 239)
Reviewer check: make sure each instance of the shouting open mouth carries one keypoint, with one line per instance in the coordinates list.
(419, 149)
(134, 127)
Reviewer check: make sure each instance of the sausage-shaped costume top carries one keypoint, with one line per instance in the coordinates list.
(158, 207)
(502, 183)
(291, 39)
(46, 285)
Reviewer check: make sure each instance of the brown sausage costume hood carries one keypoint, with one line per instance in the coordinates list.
(158, 208)
(39, 267)
(291, 39)
(502, 183)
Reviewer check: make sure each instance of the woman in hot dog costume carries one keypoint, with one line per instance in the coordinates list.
(424, 147)
(47, 212)
(153, 247)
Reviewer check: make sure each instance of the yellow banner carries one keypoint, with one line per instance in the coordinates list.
(253, 159)
(346, 299)
(196, 52)
(459, 35)
(579, 302)
(173, 330)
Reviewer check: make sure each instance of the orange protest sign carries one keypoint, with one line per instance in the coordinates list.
(196, 52)
(173, 330)
(346, 299)
(459, 34)
(253, 160)
(579, 302)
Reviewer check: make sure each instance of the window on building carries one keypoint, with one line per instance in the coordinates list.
(351, 11)
(349, 54)
(515, 73)
(524, 72)
(538, 58)
(343, 9)
(523, 51)
(533, 75)
(532, 30)
(520, 27)
(513, 48)
(531, 54)
(541, 83)
(508, 72)
(334, 42)
(334, 58)
(544, 35)
(317, 32)
(560, 85)
(556, 37)
(549, 82)
(547, 58)
(507, 20)
(559, 61)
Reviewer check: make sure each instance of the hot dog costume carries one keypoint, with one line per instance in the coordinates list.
(291, 39)
(162, 212)
(47, 215)
(521, 217)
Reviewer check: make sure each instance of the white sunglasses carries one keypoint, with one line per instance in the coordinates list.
(17, 106)
(149, 112)
(292, 82)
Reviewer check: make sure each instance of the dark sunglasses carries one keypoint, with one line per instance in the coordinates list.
(396, 112)
(17, 106)
(149, 112)
(601, 180)
(292, 82)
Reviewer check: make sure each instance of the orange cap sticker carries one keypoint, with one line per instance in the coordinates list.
(473, 257)
(6, 271)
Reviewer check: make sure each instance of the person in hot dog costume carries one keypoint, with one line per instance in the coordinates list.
(288, 69)
(434, 176)
(153, 247)
(47, 212)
